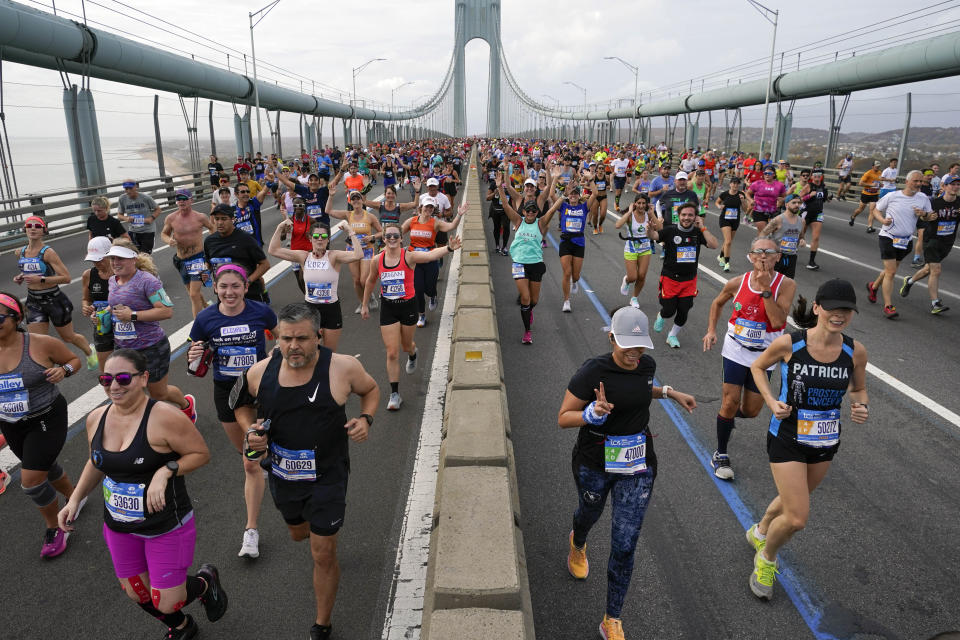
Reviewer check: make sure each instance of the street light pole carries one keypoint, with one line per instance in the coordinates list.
(636, 81)
(393, 91)
(356, 72)
(256, 92)
(574, 84)
(766, 12)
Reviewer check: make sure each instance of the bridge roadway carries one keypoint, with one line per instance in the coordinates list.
(877, 559)
(76, 594)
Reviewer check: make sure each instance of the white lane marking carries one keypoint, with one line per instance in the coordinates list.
(875, 371)
(405, 612)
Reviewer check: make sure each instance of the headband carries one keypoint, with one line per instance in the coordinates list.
(10, 303)
(232, 267)
(36, 219)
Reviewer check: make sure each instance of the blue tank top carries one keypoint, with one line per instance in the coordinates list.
(572, 221)
(36, 265)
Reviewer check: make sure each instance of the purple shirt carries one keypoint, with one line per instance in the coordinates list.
(135, 294)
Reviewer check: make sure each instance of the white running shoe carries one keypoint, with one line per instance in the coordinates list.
(566, 306)
(422, 320)
(358, 309)
(251, 544)
(412, 364)
(634, 302)
(624, 287)
(432, 305)
(575, 286)
(374, 301)
(395, 401)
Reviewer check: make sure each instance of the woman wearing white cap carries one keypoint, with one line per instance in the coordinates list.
(138, 302)
(608, 400)
(96, 290)
(367, 228)
(425, 230)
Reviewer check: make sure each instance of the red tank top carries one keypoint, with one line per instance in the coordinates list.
(299, 240)
(748, 305)
(396, 282)
(423, 235)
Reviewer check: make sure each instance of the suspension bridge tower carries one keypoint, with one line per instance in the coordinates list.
(476, 19)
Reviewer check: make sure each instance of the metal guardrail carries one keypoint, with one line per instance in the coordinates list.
(66, 211)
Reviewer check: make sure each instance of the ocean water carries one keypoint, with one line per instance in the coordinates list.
(44, 164)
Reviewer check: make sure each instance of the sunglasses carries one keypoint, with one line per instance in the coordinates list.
(318, 236)
(764, 252)
(123, 379)
(240, 193)
(182, 199)
(392, 236)
(4, 316)
(31, 225)
(299, 206)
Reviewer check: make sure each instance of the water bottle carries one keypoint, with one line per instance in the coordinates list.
(201, 365)
(261, 430)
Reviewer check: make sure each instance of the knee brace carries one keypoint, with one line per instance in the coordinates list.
(55, 473)
(42, 494)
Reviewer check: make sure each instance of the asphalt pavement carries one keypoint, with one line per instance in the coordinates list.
(77, 595)
(878, 557)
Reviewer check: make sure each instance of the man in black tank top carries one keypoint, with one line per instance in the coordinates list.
(302, 391)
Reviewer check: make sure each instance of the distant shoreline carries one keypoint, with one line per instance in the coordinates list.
(172, 164)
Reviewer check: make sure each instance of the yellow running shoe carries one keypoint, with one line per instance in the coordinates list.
(763, 576)
(577, 563)
(92, 362)
(611, 629)
(755, 543)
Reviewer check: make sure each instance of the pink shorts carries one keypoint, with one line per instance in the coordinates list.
(165, 558)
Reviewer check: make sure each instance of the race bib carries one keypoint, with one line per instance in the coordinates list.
(818, 428)
(901, 243)
(319, 292)
(314, 210)
(138, 219)
(123, 331)
(788, 244)
(392, 285)
(34, 265)
(638, 246)
(730, 213)
(291, 464)
(573, 225)
(217, 262)
(749, 333)
(946, 227)
(518, 271)
(246, 226)
(195, 266)
(14, 398)
(625, 454)
(124, 501)
(686, 254)
(235, 360)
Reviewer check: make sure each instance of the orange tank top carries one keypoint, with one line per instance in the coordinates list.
(423, 235)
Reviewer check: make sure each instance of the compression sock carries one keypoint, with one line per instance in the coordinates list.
(617, 198)
(412, 356)
(394, 387)
(675, 330)
(725, 427)
(813, 257)
(525, 316)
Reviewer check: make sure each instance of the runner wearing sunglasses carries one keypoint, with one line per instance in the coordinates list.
(33, 414)
(96, 290)
(140, 451)
(321, 274)
(42, 270)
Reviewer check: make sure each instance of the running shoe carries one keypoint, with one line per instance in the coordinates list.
(411, 363)
(624, 287)
(634, 302)
(763, 576)
(937, 307)
(595, 231)
(432, 305)
(358, 309)
(188, 631)
(527, 338)
(673, 342)
(757, 544)
(917, 262)
(92, 361)
(575, 286)
(577, 563)
(251, 544)
(395, 401)
(4, 480)
(813, 266)
(374, 301)
(720, 260)
(214, 599)
(905, 287)
(851, 221)
(600, 229)
(191, 409)
(721, 466)
(871, 230)
(871, 292)
(726, 267)
(422, 320)
(320, 632)
(890, 312)
(566, 306)
(611, 628)
(80, 507)
(54, 542)
(658, 324)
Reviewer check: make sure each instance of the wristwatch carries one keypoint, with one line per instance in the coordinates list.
(133, 316)
(766, 294)
(368, 417)
(43, 280)
(174, 466)
(68, 369)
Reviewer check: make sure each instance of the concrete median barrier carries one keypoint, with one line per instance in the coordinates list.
(477, 586)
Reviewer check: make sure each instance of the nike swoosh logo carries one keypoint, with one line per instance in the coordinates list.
(314, 396)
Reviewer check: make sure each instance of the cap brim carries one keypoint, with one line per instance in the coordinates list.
(633, 342)
(95, 257)
(830, 305)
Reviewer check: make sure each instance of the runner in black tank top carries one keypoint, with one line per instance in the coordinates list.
(96, 290)
(817, 367)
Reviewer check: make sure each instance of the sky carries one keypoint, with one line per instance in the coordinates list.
(546, 44)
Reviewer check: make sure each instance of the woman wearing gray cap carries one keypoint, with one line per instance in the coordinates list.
(818, 366)
(608, 399)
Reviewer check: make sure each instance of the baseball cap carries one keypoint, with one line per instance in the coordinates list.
(529, 181)
(433, 182)
(222, 210)
(837, 294)
(631, 329)
(184, 194)
(121, 252)
(428, 200)
(97, 248)
(950, 179)
(876, 163)
(681, 175)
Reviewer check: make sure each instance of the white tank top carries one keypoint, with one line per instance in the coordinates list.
(320, 280)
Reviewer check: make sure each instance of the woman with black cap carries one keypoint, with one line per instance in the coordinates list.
(818, 366)
(608, 400)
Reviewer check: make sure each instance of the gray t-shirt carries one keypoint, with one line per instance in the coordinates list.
(138, 208)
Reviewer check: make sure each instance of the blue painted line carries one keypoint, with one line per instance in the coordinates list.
(804, 602)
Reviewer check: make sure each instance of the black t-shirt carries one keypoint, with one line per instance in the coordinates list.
(238, 248)
(945, 226)
(731, 200)
(629, 391)
(496, 207)
(681, 250)
(110, 227)
(316, 201)
(670, 203)
(214, 168)
(818, 196)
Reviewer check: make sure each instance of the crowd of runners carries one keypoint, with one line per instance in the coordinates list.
(280, 386)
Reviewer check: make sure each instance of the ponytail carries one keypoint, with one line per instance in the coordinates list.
(803, 317)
